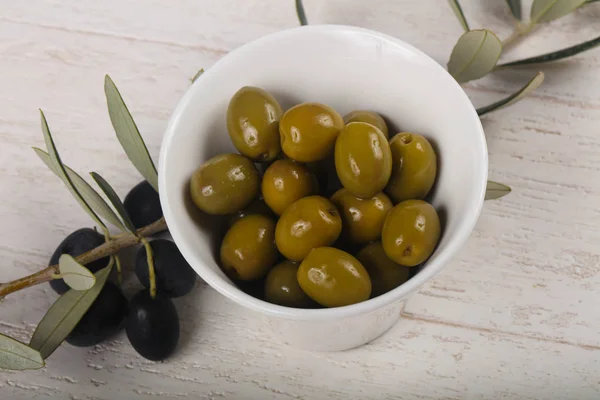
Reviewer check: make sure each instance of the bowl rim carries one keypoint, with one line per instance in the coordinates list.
(401, 292)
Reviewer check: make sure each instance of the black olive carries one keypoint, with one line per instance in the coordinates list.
(77, 243)
(174, 276)
(102, 320)
(143, 205)
(152, 325)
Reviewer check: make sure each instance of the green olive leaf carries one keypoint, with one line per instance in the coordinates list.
(61, 172)
(200, 72)
(548, 10)
(91, 197)
(74, 274)
(474, 55)
(533, 84)
(495, 190)
(128, 133)
(515, 8)
(555, 55)
(17, 356)
(591, 1)
(64, 315)
(115, 200)
(459, 14)
(300, 12)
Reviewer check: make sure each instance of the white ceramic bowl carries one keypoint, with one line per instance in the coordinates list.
(347, 68)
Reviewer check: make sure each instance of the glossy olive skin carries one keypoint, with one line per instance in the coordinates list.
(102, 320)
(77, 243)
(363, 159)
(224, 184)
(285, 182)
(143, 205)
(362, 219)
(282, 287)
(334, 278)
(248, 249)
(257, 206)
(369, 117)
(411, 232)
(414, 167)
(385, 274)
(152, 325)
(308, 131)
(253, 123)
(174, 276)
(310, 222)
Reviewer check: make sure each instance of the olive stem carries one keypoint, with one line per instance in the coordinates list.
(119, 269)
(110, 248)
(151, 273)
(520, 31)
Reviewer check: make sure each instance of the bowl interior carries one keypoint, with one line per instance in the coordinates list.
(346, 68)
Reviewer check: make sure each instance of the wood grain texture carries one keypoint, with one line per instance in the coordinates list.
(514, 316)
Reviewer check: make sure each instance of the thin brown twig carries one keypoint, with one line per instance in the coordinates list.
(109, 248)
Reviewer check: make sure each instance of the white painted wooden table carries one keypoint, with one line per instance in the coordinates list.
(516, 315)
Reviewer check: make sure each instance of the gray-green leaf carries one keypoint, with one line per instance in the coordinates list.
(548, 10)
(300, 12)
(115, 200)
(17, 356)
(474, 55)
(61, 172)
(200, 72)
(128, 133)
(515, 8)
(495, 190)
(555, 55)
(533, 84)
(74, 274)
(65, 314)
(91, 197)
(459, 14)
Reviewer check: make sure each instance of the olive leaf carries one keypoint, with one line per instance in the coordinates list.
(200, 72)
(515, 8)
(300, 12)
(128, 133)
(60, 171)
(591, 1)
(74, 274)
(17, 356)
(555, 55)
(90, 196)
(533, 84)
(474, 55)
(64, 315)
(495, 190)
(548, 10)
(459, 14)
(115, 200)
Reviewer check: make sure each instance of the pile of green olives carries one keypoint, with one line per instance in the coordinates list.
(338, 214)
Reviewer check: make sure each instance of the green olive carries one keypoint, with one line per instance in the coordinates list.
(308, 223)
(281, 286)
(285, 182)
(414, 167)
(369, 117)
(333, 278)
(363, 160)
(253, 123)
(411, 232)
(224, 184)
(308, 131)
(257, 206)
(248, 249)
(384, 273)
(362, 219)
